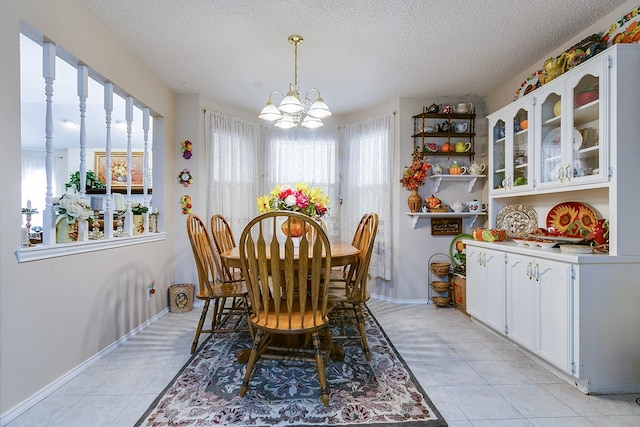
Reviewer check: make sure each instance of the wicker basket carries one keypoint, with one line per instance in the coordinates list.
(441, 301)
(440, 268)
(440, 286)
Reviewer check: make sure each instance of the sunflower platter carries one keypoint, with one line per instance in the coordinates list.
(572, 219)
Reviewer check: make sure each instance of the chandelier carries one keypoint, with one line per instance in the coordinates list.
(292, 112)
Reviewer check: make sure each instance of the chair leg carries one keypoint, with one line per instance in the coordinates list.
(363, 336)
(251, 362)
(203, 316)
(247, 315)
(324, 394)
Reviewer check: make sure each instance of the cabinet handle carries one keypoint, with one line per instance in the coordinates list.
(529, 271)
(537, 272)
(561, 174)
(568, 174)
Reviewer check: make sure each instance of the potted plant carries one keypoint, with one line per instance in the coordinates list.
(92, 182)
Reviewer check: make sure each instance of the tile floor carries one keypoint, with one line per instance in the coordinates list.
(473, 377)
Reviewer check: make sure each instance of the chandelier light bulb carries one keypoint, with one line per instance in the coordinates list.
(292, 111)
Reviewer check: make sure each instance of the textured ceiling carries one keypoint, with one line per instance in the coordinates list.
(357, 52)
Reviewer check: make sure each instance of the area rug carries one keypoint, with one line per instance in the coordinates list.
(382, 392)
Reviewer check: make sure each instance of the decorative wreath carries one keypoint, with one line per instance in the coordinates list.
(186, 149)
(185, 177)
(185, 201)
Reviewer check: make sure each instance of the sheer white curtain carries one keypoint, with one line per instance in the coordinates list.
(367, 184)
(305, 155)
(33, 180)
(232, 172)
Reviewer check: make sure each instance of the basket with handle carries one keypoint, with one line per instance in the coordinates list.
(440, 264)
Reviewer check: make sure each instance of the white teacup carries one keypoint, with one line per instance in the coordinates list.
(476, 206)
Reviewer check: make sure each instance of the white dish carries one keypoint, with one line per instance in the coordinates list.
(520, 242)
(557, 238)
(555, 137)
(576, 249)
(546, 245)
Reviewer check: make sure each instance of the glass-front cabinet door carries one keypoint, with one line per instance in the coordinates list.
(586, 148)
(569, 114)
(511, 149)
(549, 105)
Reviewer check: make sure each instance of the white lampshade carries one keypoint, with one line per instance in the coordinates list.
(319, 109)
(286, 122)
(311, 122)
(291, 103)
(270, 112)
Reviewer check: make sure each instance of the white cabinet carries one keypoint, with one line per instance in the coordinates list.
(486, 286)
(540, 307)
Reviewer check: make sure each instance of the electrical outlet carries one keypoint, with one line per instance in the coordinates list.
(150, 290)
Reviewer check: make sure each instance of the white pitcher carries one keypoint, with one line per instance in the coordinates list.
(477, 169)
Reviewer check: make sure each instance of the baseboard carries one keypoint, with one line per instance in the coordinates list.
(25, 405)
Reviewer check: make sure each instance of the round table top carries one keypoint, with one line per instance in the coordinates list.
(342, 253)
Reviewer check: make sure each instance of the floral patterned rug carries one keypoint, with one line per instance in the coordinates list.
(381, 392)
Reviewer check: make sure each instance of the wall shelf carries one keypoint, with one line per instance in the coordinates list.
(471, 178)
(417, 215)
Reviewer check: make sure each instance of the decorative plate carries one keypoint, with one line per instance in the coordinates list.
(555, 136)
(458, 249)
(531, 83)
(572, 219)
(517, 220)
(625, 29)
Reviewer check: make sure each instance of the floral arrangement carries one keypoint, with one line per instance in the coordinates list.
(185, 178)
(311, 201)
(185, 201)
(73, 206)
(415, 175)
(138, 208)
(186, 149)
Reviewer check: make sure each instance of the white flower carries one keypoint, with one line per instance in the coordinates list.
(73, 206)
(290, 200)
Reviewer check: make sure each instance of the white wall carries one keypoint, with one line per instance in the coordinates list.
(57, 313)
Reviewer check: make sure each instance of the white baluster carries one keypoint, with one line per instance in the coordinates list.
(108, 211)
(83, 82)
(49, 74)
(128, 221)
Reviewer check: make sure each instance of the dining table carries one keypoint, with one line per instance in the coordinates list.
(342, 254)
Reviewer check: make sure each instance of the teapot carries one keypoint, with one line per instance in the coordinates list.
(433, 108)
(461, 146)
(553, 67)
(459, 127)
(458, 206)
(447, 109)
(437, 169)
(477, 169)
(430, 129)
(457, 169)
(445, 127)
(464, 108)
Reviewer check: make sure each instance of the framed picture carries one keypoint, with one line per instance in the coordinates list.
(119, 168)
(446, 226)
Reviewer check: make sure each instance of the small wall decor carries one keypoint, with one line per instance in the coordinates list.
(185, 201)
(186, 149)
(185, 177)
(446, 226)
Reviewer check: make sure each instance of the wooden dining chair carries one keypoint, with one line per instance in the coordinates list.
(348, 294)
(230, 298)
(224, 241)
(288, 291)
